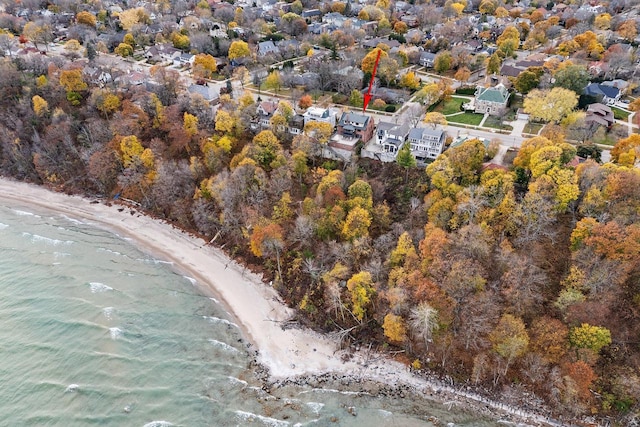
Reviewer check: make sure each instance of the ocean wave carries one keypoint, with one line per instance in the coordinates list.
(109, 251)
(72, 220)
(191, 280)
(55, 242)
(385, 414)
(97, 287)
(316, 407)
(108, 312)
(223, 345)
(268, 421)
(214, 319)
(3, 226)
(214, 300)
(72, 388)
(158, 424)
(154, 261)
(333, 390)
(24, 213)
(115, 333)
(235, 380)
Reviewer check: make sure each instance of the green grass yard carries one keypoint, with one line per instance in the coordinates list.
(450, 106)
(619, 114)
(473, 119)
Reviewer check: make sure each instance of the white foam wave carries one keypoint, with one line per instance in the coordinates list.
(214, 319)
(384, 413)
(108, 312)
(191, 280)
(333, 390)
(23, 213)
(115, 333)
(251, 417)
(3, 226)
(235, 380)
(154, 261)
(158, 424)
(72, 388)
(109, 251)
(72, 220)
(315, 406)
(223, 345)
(55, 242)
(97, 287)
(214, 300)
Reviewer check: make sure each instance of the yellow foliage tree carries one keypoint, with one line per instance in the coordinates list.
(40, 105)
(394, 328)
(370, 59)
(204, 65)
(86, 18)
(238, 49)
(360, 286)
(190, 124)
(356, 224)
(224, 122)
(410, 81)
(72, 81)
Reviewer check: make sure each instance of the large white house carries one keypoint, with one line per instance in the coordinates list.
(317, 114)
(426, 143)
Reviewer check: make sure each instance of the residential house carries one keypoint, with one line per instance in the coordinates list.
(356, 126)
(491, 100)
(311, 15)
(600, 114)
(267, 48)
(606, 94)
(317, 114)
(391, 136)
(208, 93)
(96, 75)
(426, 143)
(184, 59)
(427, 59)
(296, 125)
(265, 111)
(218, 30)
(162, 53)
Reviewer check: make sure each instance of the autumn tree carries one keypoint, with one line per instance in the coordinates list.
(410, 81)
(550, 106)
(628, 30)
(37, 32)
(86, 18)
(434, 119)
(130, 17)
(360, 286)
(394, 328)
(589, 337)
(224, 122)
(305, 102)
(204, 65)
(40, 105)
(370, 59)
(443, 62)
(238, 50)
(273, 81)
(603, 21)
(356, 224)
(124, 50)
(527, 80)
(268, 240)
(509, 339)
(627, 151)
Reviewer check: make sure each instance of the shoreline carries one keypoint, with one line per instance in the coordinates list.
(291, 356)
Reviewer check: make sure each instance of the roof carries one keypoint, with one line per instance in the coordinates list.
(359, 119)
(498, 94)
(268, 107)
(596, 89)
(510, 71)
(419, 133)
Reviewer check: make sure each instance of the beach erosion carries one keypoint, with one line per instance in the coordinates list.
(288, 355)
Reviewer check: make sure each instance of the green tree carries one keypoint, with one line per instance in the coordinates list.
(526, 81)
(443, 62)
(356, 99)
(493, 64)
(572, 77)
(124, 50)
(406, 160)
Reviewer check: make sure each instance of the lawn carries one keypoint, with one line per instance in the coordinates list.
(532, 128)
(473, 119)
(619, 114)
(450, 106)
(496, 123)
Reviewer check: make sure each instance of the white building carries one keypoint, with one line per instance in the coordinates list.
(426, 143)
(317, 114)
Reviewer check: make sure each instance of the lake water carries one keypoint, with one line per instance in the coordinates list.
(95, 332)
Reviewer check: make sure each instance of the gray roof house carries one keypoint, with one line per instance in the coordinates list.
(426, 143)
(266, 48)
(609, 94)
(391, 136)
(427, 59)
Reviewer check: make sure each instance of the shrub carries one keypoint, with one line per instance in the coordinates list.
(390, 108)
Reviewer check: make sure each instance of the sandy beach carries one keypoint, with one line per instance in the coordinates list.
(255, 306)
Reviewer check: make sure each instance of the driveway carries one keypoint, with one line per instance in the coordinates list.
(518, 127)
